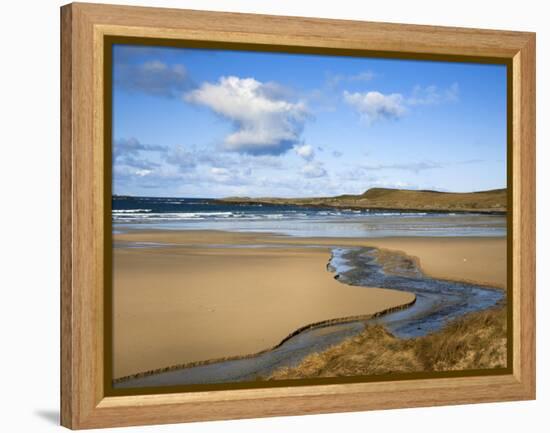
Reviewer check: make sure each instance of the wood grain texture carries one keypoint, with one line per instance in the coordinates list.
(67, 384)
(84, 404)
(310, 32)
(524, 167)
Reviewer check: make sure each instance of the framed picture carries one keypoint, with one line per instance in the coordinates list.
(267, 215)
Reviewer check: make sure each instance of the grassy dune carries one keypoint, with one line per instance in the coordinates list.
(397, 199)
(474, 341)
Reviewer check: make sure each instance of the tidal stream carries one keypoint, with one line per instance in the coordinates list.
(437, 302)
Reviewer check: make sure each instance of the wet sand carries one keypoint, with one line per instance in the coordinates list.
(183, 304)
(481, 260)
(187, 296)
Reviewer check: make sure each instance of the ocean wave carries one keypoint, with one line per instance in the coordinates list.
(125, 215)
(134, 215)
(131, 210)
(171, 216)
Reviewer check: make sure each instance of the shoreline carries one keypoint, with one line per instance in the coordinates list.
(396, 244)
(189, 302)
(435, 211)
(274, 249)
(418, 263)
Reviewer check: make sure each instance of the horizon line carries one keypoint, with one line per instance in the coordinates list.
(312, 197)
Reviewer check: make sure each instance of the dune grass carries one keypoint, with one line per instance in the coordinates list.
(474, 341)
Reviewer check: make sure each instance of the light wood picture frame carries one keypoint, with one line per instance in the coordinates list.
(86, 30)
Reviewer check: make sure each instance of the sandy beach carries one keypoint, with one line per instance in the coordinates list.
(188, 296)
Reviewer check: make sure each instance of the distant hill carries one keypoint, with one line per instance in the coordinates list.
(493, 201)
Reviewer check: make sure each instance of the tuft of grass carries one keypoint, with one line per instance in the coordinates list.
(477, 340)
(474, 341)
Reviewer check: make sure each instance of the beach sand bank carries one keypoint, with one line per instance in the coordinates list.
(209, 294)
(474, 259)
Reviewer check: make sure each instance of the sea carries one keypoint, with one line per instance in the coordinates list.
(130, 213)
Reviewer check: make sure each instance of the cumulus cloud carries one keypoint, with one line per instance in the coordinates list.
(305, 151)
(373, 106)
(153, 78)
(314, 170)
(264, 122)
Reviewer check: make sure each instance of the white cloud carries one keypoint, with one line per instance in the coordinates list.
(432, 95)
(373, 106)
(220, 174)
(123, 147)
(223, 176)
(181, 157)
(143, 172)
(362, 76)
(131, 158)
(313, 170)
(415, 167)
(305, 151)
(335, 80)
(265, 122)
(220, 171)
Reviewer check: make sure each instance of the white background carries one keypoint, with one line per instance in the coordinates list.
(29, 215)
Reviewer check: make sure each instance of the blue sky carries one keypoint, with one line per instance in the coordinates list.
(211, 123)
